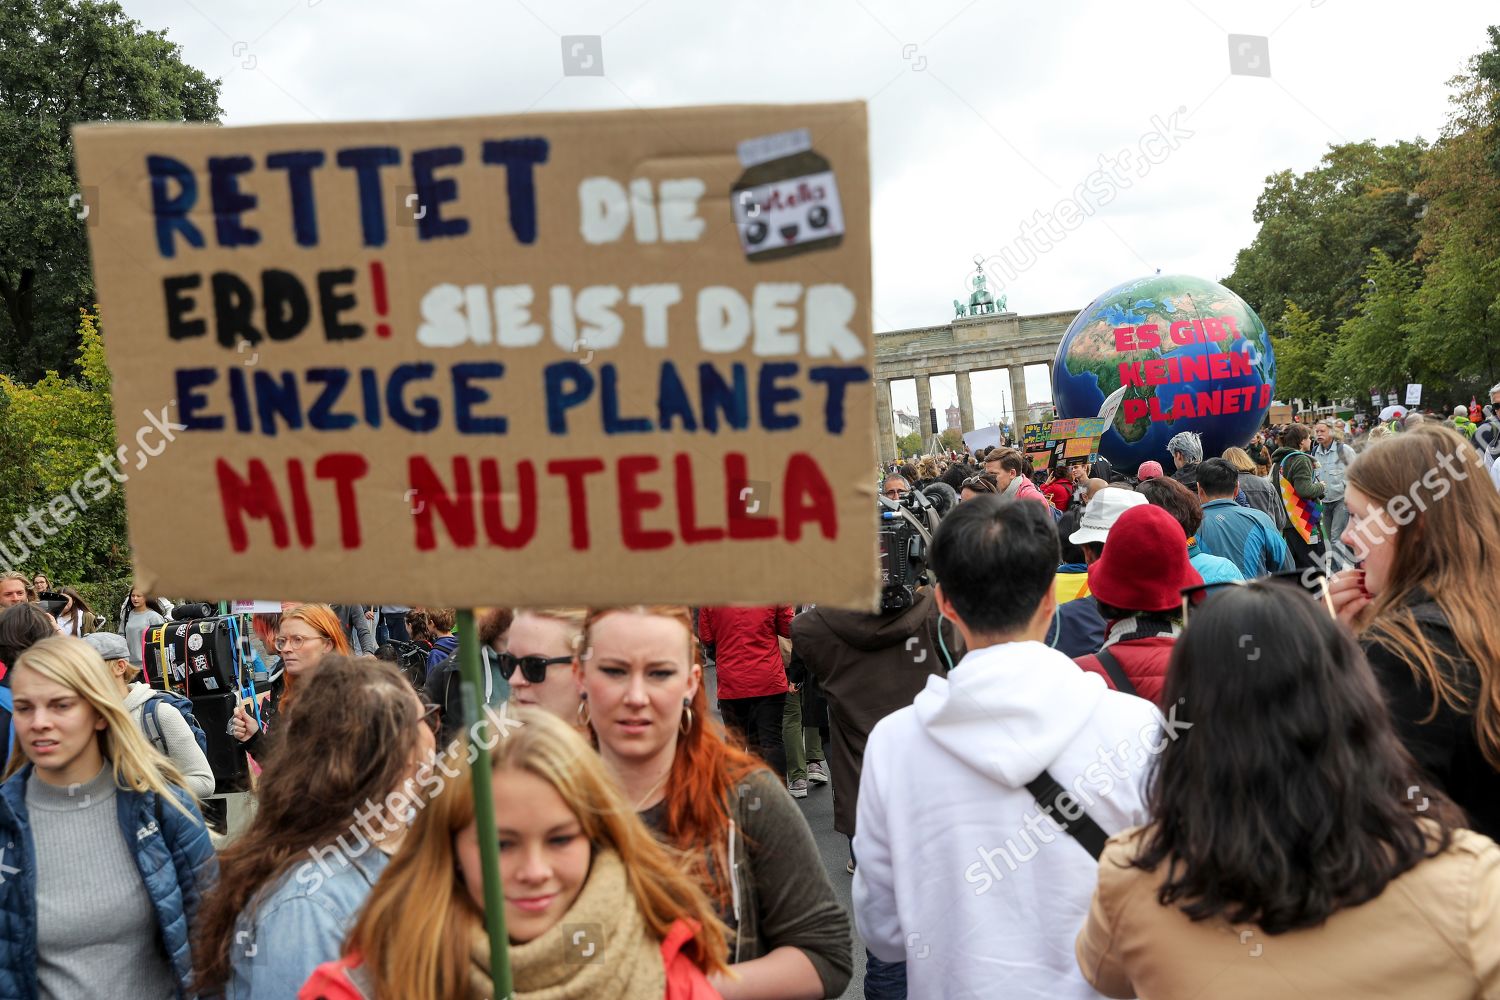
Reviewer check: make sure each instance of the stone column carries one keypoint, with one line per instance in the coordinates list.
(924, 403)
(1019, 416)
(965, 400)
(883, 421)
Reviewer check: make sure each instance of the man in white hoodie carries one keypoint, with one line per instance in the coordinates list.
(962, 872)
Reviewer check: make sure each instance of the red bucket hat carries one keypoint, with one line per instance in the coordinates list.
(1145, 563)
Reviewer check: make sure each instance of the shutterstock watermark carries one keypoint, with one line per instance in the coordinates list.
(1122, 762)
(396, 810)
(1049, 227)
(1384, 522)
(41, 523)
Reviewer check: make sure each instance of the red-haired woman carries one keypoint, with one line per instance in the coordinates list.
(752, 850)
(306, 634)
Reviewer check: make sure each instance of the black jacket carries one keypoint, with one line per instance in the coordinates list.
(1447, 747)
(868, 667)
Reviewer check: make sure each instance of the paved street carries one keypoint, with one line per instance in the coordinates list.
(832, 846)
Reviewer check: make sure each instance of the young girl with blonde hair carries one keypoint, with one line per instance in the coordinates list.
(594, 906)
(107, 853)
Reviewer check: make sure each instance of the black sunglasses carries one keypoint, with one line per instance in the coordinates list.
(533, 668)
(1315, 589)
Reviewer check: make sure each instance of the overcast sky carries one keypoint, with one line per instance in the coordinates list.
(982, 114)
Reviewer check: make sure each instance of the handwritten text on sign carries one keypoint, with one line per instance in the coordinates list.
(554, 336)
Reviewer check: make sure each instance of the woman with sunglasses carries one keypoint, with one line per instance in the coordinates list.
(1295, 848)
(1424, 525)
(306, 634)
(743, 837)
(540, 651)
(333, 804)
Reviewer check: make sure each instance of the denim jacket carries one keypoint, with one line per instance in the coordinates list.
(1331, 463)
(300, 921)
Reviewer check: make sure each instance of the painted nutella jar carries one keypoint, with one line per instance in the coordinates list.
(787, 200)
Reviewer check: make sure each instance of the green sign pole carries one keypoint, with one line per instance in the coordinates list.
(484, 803)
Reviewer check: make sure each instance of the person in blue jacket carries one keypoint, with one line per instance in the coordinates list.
(103, 853)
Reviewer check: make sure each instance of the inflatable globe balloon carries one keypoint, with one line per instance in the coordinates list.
(1190, 355)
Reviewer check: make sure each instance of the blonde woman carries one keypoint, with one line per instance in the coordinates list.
(1256, 488)
(541, 651)
(107, 853)
(581, 876)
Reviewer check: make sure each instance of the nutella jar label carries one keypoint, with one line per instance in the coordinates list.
(787, 200)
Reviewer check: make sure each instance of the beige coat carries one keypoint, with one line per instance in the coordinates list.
(1434, 933)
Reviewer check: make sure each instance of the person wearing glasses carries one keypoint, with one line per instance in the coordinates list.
(895, 488)
(307, 633)
(540, 657)
(334, 803)
(1294, 846)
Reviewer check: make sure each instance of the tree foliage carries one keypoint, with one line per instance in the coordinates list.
(64, 62)
(1381, 265)
(51, 434)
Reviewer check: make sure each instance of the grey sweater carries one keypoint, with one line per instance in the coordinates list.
(96, 931)
(182, 745)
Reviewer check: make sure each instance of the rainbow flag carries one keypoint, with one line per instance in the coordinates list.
(1303, 515)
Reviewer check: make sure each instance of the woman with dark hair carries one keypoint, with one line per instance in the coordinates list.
(333, 804)
(1280, 819)
(1424, 523)
(1295, 477)
(76, 618)
(21, 627)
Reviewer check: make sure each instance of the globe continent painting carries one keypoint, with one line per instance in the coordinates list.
(1192, 354)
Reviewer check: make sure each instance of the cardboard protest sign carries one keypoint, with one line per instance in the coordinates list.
(581, 358)
(1414, 394)
(1279, 414)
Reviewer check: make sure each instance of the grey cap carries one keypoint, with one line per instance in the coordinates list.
(108, 645)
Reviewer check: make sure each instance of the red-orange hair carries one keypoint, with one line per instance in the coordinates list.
(322, 620)
(706, 771)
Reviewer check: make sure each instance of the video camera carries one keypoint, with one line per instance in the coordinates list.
(905, 532)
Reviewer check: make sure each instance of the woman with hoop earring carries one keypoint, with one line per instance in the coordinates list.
(746, 841)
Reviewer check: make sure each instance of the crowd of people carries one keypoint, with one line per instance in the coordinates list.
(1227, 730)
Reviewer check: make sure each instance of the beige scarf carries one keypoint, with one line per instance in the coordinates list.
(600, 948)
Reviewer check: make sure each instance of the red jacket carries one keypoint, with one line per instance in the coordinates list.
(685, 981)
(1060, 492)
(747, 655)
(1144, 662)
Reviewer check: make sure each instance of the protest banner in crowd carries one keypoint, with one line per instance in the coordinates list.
(562, 358)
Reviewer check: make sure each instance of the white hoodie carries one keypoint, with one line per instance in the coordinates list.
(958, 872)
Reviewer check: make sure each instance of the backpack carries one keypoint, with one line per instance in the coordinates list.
(151, 725)
(411, 660)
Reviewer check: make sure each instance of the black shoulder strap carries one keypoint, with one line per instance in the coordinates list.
(1060, 804)
(1116, 672)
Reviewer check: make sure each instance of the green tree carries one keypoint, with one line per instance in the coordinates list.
(1373, 346)
(51, 434)
(1317, 230)
(1301, 355)
(63, 62)
(952, 440)
(909, 445)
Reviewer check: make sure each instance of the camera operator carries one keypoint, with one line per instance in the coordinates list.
(870, 665)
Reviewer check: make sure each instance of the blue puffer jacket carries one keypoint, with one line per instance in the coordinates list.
(174, 855)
